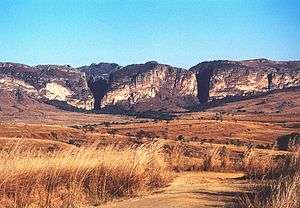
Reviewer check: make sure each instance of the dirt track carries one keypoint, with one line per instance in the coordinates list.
(191, 190)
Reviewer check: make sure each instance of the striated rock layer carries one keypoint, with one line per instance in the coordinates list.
(149, 86)
(139, 83)
(50, 82)
(157, 86)
(219, 79)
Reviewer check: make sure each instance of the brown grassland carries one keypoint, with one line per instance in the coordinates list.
(62, 159)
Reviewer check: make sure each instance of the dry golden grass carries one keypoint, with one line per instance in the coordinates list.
(33, 176)
(74, 177)
(262, 165)
(209, 158)
(282, 190)
(31, 145)
(180, 162)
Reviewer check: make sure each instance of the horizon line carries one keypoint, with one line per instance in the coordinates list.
(103, 62)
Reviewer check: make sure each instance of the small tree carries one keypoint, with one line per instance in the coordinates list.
(19, 95)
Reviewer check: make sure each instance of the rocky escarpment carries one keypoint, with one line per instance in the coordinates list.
(99, 88)
(220, 79)
(158, 86)
(151, 83)
(149, 86)
(50, 82)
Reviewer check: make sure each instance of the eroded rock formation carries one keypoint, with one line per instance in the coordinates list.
(219, 79)
(138, 83)
(51, 82)
(149, 86)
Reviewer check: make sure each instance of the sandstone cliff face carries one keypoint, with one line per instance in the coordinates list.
(141, 82)
(149, 86)
(51, 82)
(157, 86)
(219, 79)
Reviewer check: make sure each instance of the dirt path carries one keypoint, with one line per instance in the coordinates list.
(191, 190)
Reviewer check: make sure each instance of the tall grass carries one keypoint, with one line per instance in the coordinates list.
(179, 161)
(280, 188)
(209, 159)
(79, 176)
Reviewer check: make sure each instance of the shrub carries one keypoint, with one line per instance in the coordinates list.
(112, 132)
(236, 142)
(180, 138)
(288, 142)
(19, 95)
(157, 115)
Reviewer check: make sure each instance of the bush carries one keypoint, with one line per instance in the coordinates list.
(236, 142)
(112, 131)
(180, 138)
(157, 115)
(288, 142)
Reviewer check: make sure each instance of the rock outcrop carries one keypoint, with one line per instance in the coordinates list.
(50, 82)
(139, 83)
(99, 71)
(220, 79)
(149, 86)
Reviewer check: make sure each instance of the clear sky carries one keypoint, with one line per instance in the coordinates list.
(177, 32)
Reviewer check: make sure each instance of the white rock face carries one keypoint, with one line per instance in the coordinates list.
(55, 91)
(219, 79)
(281, 80)
(150, 84)
(53, 82)
(161, 82)
(11, 84)
(82, 104)
(230, 84)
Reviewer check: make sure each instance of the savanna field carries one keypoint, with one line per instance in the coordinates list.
(242, 158)
(149, 104)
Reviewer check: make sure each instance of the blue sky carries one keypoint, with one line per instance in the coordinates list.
(177, 32)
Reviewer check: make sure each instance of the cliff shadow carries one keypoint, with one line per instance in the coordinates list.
(236, 98)
(203, 84)
(98, 88)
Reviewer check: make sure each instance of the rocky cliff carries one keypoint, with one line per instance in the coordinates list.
(48, 82)
(219, 79)
(149, 86)
(151, 83)
(100, 70)
(158, 86)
